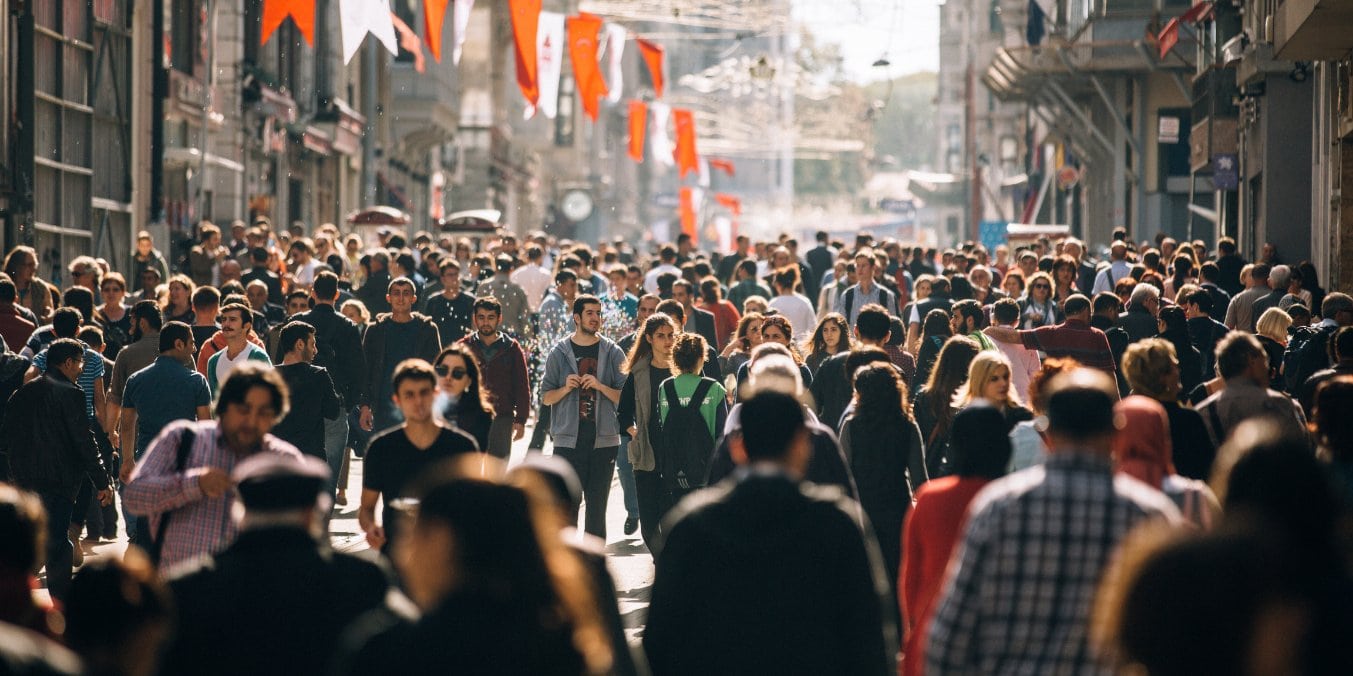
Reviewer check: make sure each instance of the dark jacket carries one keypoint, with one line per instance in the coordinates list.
(313, 401)
(274, 602)
(1220, 299)
(704, 325)
(372, 293)
(1204, 334)
(504, 376)
(269, 278)
(820, 259)
(1190, 360)
(469, 634)
(1263, 303)
(827, 467)
(426, 347)
(1230, 267)
(1193, 449)
(1139, 323)
(340, 350)
(46, 436)
(764, 575)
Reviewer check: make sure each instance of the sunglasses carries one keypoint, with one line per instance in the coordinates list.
(457, 373)
(1040, 286)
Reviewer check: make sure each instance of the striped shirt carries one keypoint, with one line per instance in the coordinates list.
(1018, 594)
(201, 525)
(89, 375)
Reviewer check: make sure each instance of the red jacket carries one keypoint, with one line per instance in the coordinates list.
(933, 529)
(14, 328)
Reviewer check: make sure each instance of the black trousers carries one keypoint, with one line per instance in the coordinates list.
(595, 467)
(652, 506)
(59, 546)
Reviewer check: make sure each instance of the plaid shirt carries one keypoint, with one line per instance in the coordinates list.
(201, 525)
(1019, 592)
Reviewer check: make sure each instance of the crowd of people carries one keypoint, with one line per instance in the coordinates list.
(861, 457)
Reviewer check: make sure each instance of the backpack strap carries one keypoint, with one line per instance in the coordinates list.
(701, 390)
(848, 301)
(670, 394)
(185, 448)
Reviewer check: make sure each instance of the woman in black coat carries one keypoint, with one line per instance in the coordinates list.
(1173, 327)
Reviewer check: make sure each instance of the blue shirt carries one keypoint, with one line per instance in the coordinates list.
(161, 393)
(93, 370)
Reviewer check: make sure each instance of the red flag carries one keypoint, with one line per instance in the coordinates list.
(582, 50)
(728, 202)
(638, 124)
(653, 54)
(724, 165)
(688, 212)
(687, 159)
(1169, 37)
(302, 13)
(434, 11)
(525, 19)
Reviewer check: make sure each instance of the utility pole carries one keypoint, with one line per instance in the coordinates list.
(974, 168)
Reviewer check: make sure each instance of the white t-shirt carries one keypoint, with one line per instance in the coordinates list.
(305, 274)
(534, 280)
(799, 312)
(651, 279)
(224, 364)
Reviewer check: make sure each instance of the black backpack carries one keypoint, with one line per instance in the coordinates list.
(682, 443)
(1307, 352)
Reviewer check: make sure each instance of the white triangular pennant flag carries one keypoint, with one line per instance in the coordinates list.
(702, 175)
(356, 18)
(460, 22)
(662, 142)
(615, 49)
(549, 62)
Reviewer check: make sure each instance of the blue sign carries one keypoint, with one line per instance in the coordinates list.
(1225, 171)
(992, 234)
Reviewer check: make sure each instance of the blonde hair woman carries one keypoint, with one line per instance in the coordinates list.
(1271, 330)
(989, 380)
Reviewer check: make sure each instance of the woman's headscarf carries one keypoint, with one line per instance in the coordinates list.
(1142, 448)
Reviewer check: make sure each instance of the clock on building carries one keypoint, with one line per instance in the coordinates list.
(576, 205)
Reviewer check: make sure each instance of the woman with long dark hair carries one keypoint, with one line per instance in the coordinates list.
(831, 336)
(883, 447)
(649, 363)
(739, 348)
(933, 408)
(462, 401)
(1172, 325)
(936, 329)
(480, 557)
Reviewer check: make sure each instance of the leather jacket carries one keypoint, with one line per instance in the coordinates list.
(47, 439)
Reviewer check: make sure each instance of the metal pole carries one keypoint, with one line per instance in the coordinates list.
(206, 110)
(369, 76)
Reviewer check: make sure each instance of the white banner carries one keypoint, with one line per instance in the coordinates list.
(460, 22)
(550, 44)
(657, 133)
(615, 49)
(356, 18)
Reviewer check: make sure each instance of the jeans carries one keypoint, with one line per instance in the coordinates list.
(595, 467)
(59, 546)
(500, 437)
(335, 446)
(626, 471)
(541, 430)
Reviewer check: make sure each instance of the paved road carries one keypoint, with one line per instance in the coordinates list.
(630, 562)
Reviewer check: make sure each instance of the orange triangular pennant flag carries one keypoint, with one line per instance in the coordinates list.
(525, 21)
(687, 208)
(729, 202)
(302, 13)
(726, 166)
(653, 54)
(434, 11)
(638, 125)
(582, 50)
(687, 159)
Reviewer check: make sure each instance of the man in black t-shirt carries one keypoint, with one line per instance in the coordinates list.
(401, 454)
(313, 398)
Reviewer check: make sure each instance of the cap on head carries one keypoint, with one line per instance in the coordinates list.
(272, 482)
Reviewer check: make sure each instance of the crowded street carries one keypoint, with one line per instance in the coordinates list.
(676, 337)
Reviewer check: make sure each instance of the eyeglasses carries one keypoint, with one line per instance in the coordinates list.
(457, 373)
